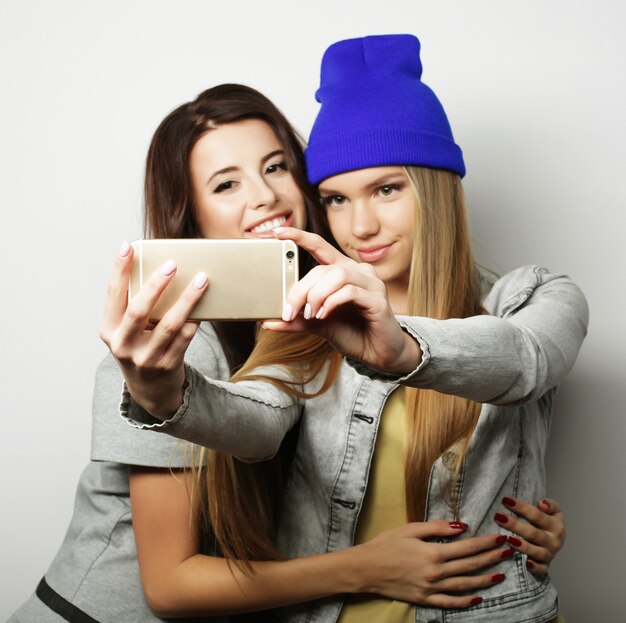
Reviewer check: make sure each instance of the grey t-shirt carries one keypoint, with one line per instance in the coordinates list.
(96, 568)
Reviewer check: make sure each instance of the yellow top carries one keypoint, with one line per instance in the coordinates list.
(384, 508)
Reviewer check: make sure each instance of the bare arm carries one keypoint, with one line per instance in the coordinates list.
(179, 581)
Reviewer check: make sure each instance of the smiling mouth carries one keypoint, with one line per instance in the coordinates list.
(269, 224)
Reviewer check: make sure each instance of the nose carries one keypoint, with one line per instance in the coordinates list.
(365, 221)
(261, 195)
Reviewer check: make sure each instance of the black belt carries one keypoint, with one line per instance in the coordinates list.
(60, 605)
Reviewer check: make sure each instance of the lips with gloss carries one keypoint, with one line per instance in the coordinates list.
(373, 254)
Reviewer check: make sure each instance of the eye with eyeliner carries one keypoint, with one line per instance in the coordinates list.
(334, 201)
(224, 186)
(388, 190)
(276, 167)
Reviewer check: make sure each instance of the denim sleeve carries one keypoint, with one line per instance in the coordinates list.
(246, 419)
(513, 356)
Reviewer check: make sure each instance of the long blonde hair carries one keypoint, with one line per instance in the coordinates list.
(443, 284)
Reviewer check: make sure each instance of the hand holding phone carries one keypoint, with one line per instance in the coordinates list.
(248, 278)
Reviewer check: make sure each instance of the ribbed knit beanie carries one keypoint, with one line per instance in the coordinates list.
(376, 111)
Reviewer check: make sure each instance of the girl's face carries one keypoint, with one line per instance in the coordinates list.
(242, 187)
(371, 215)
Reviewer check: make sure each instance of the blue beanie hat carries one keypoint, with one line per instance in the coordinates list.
(376, 111)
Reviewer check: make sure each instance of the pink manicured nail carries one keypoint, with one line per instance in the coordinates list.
(200, 280)
(307, 312)
(320, 311)
(124, 249)
(287, 312)
(279, 230)
(168, 268)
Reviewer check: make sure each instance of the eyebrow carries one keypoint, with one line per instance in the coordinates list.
(269, 156)
(272, 154)
(388, 178)
(224, 170)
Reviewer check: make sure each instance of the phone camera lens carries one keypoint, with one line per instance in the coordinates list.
(290, 254)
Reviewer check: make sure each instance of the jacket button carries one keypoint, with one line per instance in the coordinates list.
(345, 503)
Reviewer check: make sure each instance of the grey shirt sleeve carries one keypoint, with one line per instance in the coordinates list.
(112, 438)
(248, 419)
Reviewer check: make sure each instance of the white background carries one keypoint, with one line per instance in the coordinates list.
(535, 92)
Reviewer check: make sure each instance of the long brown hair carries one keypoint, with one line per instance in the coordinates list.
(169, 212)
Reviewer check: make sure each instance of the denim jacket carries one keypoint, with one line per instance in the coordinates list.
(511, 360)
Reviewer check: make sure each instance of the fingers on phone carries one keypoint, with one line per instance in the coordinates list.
(141, 305)
(325, 288)
(174, 326)
(320, 249)
(117, 290)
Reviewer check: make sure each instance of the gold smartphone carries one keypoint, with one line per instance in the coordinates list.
(248, 278)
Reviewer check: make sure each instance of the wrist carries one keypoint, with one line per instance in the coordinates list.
(164, 403)
(356, 574)
(410, 356)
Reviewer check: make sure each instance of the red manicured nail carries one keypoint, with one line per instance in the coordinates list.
(515, 541)
(507, 553)
(545, 503)
(498, 577)
(458, 525)
(476, 601)
(501, 539)
(530, 565)
(510, 502)
(500, 518)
